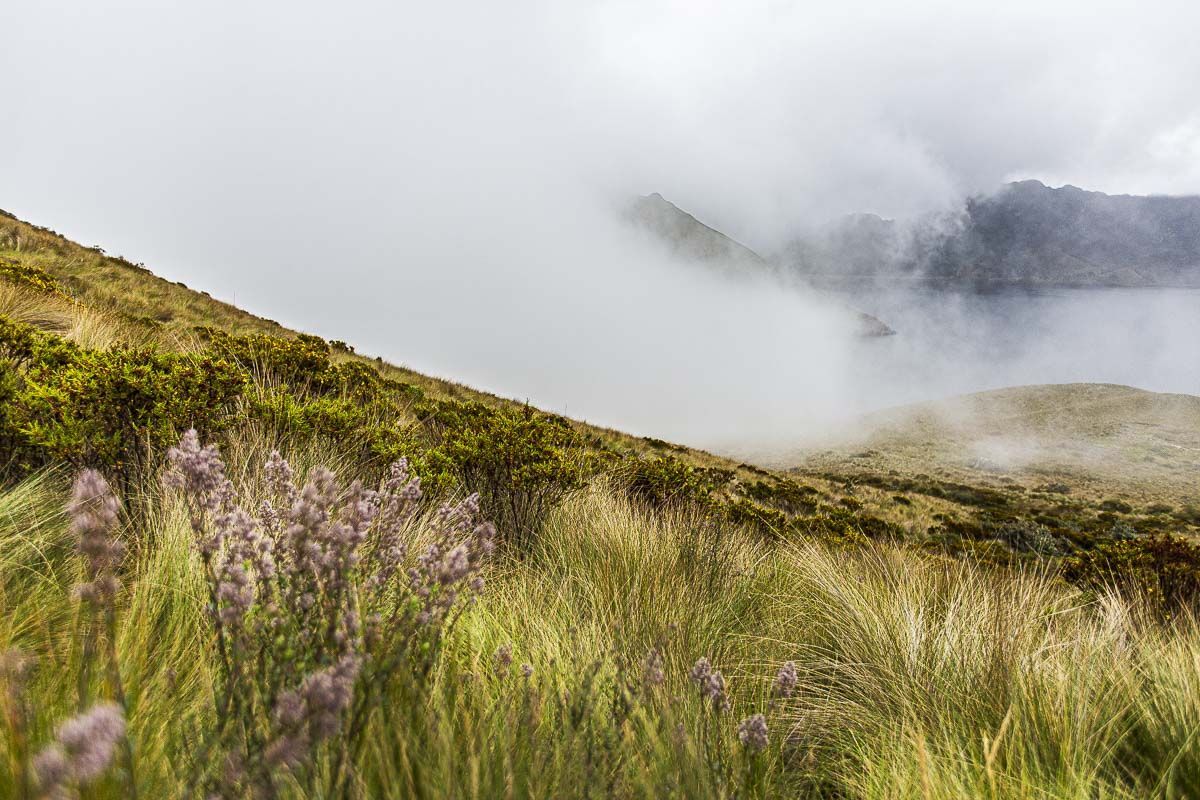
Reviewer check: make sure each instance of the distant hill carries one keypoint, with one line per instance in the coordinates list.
(1097, 437)
(689, 237)
(1026, 233)
(692, 240)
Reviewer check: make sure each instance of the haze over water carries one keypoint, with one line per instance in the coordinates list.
(959, 341)
(952, 342)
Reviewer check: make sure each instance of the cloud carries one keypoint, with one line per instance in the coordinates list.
(433, 182)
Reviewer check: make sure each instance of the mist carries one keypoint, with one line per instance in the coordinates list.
(437, 185)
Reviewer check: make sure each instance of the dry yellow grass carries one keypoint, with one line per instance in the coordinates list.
(1100, 439)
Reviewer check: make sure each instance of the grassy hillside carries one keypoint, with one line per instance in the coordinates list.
(1097, 438)
(111, 300)
(276, 606)
(100, 301)
(1080, 461)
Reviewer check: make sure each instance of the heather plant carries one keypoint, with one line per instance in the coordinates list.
(317, 608)
(85, 746)
(82, 750)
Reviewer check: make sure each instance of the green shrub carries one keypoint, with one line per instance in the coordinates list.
(785, 494)
(302, 366)
(361, 380)
(18, 341)
(1026, 536)
(61, 402)
(665, 481)
(346, 422)
(1163, 571)
(843, 524)
(767, 521)
(107, 408)
(10, 439)
(521, 462)
(32, 278)
(1120, 506)
(301, 363)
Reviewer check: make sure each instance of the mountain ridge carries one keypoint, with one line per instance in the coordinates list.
(689, 237)
(1026, 233)
(692, 240)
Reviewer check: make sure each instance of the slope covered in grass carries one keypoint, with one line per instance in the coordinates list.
(909, 675)
(553, 610)
(1097, 438)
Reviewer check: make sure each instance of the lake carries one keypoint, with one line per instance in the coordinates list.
(952, 342)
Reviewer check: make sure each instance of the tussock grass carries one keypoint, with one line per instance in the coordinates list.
(919, 676)
(84, 325)
(42, 311)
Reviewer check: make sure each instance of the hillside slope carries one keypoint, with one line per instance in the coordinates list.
(55, 293)
(1097, 439)
(689, 237)
(100, 303)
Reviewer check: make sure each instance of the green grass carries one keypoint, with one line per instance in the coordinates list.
(919, 676)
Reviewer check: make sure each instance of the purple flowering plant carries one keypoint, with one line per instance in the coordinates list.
(319, 602)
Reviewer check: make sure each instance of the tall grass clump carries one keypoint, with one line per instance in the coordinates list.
(266, 627)
(926, 677)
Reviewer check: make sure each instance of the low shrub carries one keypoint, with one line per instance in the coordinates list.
(665, 481)
(1119, 506)
(785, 494)
(301, 363)
(842, 524)
(768, 521)
(109, 408)
(1161, 571)
(522, 462)
(32, 278)
(1024, 536)
(352, 426)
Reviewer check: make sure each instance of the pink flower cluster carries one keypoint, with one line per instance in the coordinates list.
(82, 750)
(93, 510)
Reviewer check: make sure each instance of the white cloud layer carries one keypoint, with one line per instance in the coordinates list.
(432, 181)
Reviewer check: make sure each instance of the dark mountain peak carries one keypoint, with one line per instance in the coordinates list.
(1024, 233)
(688, 236)
(1027, 185)
(691, 239)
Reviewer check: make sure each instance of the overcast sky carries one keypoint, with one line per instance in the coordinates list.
(432, 181)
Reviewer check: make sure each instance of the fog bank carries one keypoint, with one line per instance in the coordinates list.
(435, 183)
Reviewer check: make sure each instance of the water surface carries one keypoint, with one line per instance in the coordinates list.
(953, 342)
